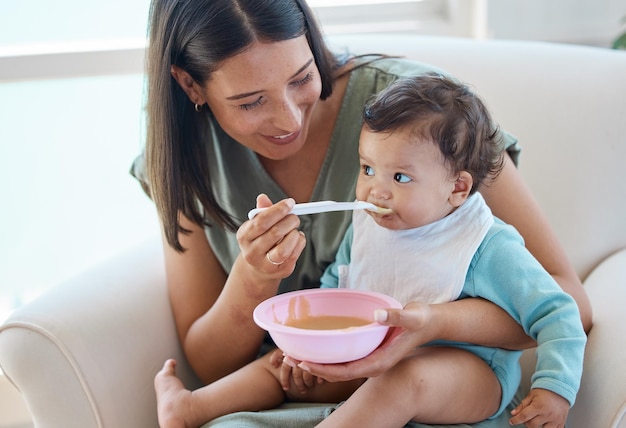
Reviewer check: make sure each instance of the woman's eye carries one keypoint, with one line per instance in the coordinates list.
(368, 170)
(306, 79)
(252, 105)
(401, 178)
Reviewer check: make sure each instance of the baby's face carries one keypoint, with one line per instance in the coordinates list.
(404, 174)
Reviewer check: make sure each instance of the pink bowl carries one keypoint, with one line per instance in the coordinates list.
(324, 346)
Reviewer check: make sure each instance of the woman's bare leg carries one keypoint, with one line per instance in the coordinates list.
(435, 385)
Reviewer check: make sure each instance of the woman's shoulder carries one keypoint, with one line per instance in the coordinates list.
(393, 67)
(369, 74)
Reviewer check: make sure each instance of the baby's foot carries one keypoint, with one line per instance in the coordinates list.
(173, 400)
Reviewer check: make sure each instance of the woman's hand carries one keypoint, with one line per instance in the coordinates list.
(271, 242)
(211, 306)
(411, 327)
(467, 320)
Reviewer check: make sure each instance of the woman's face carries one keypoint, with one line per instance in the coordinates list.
(264, 96)
(406, 174)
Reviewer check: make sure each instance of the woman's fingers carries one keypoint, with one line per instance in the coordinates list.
(414, 316)
(263, 201)
(287, 249)
(272, 223)
(379, 361)
(271, 238)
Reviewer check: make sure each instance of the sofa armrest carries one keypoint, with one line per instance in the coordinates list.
(601, 401)
(86, 351)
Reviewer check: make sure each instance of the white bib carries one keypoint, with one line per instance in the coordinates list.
(427, 264)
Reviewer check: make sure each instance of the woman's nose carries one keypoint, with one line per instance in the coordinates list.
(288, 116)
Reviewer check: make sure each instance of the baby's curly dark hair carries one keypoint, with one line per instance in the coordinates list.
(445, 111)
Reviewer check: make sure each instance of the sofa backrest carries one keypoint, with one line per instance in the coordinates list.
(567, 106)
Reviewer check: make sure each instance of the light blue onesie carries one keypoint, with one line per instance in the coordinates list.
(501, 270)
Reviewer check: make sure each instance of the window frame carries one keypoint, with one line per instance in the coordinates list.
(459, 18)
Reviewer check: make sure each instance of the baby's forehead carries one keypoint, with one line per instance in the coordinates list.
(411, 135)
(397, 147)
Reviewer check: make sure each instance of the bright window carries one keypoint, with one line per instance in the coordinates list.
(70, 126)
(70, 21)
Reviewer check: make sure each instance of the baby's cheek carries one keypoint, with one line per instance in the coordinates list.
(361, 189)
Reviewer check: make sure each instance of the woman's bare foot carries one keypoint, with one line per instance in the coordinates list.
(173, 400)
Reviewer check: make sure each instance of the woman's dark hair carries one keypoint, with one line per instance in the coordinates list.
(442, 110)
(197, 35)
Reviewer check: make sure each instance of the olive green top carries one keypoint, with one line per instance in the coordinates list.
(237, 176)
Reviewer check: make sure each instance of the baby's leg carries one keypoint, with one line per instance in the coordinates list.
(435, 385)
(253, 387)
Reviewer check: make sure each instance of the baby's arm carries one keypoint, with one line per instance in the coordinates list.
(541, 408)
(507, 274)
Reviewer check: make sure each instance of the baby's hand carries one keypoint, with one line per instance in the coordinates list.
(541, 408)
(276, 358)
(290, 374)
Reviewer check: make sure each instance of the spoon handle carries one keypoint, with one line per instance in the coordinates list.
(321, 207)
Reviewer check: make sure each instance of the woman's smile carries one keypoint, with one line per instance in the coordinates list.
(283, 139)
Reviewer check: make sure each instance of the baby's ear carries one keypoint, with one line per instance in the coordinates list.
(462, 188)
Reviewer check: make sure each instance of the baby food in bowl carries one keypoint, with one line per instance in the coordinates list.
(325, 325)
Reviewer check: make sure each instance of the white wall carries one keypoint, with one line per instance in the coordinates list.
(589, 22)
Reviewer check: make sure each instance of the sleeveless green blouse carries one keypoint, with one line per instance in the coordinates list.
(237, 176)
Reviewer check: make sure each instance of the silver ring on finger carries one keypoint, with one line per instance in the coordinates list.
(269, 259)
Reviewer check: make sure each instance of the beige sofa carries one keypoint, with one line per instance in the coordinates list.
(84, 354)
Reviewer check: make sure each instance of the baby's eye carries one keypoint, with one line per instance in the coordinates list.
(368, 170)
(401, 178)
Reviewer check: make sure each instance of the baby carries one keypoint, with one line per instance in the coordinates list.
(427, 145)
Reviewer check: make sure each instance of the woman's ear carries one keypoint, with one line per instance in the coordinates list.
(186, 82)
(462, 188)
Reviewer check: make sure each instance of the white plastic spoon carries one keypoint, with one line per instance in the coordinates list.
(326, 206)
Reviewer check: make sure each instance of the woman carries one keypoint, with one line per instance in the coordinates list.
(244, 98)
